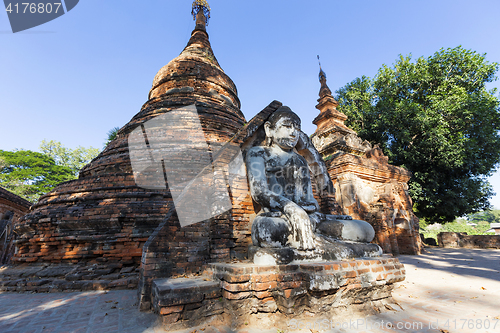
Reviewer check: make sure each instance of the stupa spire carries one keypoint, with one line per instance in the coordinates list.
(324, 90)
(327, 105)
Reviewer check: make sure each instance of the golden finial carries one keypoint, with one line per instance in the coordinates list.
(201, 5)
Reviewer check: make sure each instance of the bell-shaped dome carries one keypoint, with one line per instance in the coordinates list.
(196, 67)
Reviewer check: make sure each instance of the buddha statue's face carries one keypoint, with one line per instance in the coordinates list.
(285, 133)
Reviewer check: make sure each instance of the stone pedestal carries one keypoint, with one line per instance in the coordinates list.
(326, 251)
(267, 296)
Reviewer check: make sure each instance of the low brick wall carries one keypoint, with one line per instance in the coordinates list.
(235, 294)
(461, 239)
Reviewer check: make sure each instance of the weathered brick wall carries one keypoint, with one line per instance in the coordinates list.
(393, 235)
(286, 281)
(101, 217)
(12, 208)
(243, 214)
(327, 203)
(16, 210)
(461, 239)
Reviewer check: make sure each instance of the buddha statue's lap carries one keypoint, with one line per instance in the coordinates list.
(280, 183)
(270, 231)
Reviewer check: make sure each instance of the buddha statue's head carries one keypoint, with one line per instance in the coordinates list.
(282, 128)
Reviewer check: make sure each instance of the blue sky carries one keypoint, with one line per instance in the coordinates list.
(76, 77)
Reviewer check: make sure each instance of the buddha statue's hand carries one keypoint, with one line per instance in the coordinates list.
(302, 234)
(310, 207)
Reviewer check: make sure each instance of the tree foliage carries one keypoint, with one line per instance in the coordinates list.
(459, 225)
(75, 159)
(111, 135)
(489, 216)
(31, 174)
(435, 117)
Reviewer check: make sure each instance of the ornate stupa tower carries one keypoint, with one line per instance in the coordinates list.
(104, 218)
(367, 186)
(329, 122)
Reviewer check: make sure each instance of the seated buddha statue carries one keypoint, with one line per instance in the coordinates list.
(280, 182)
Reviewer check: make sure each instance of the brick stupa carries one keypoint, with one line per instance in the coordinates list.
(103, 218)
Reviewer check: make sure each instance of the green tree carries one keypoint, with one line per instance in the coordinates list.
(435, 117)
(357, 100)
(112, 133)
(31, 174)
(75, 159)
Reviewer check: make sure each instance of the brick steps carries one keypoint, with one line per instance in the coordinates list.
(194, 300)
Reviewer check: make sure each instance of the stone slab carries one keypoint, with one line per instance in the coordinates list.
(181, 291)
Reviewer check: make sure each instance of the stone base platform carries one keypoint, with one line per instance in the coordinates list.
(331, 251)
(243, 293)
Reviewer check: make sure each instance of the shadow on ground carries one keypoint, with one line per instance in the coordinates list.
(94, 311)
(482, 263)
